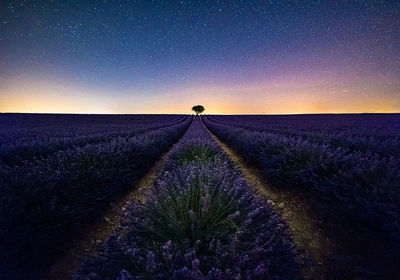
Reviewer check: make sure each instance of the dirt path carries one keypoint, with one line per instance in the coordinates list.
(314, 247)
(99, 233)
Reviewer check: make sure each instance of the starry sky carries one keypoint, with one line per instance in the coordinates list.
(233, 57)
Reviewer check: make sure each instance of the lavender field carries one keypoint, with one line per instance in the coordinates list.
(345, 167)
(204, 197)
(58, 172)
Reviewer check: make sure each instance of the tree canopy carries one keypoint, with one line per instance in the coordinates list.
(198, 109)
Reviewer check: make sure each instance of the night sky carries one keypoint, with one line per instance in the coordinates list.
(230, 56)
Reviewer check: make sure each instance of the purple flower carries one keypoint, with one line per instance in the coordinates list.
(167, 251)
(150, 262)
(260, 270)
(235, 243)
(234, 215)
(206, 201)
(195, 264)
(190, 256)
(124, 275)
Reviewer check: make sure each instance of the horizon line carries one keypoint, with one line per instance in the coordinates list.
(239, 114)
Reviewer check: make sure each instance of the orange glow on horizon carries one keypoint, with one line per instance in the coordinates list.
(33, 97)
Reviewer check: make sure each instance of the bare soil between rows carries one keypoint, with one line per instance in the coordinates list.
(98, 233)
(315, 249)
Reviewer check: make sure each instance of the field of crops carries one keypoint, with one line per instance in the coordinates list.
(347, 165)
(58, 172)
(201, 218)
(200, 221)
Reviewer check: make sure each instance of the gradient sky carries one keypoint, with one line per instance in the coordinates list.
(233, 57)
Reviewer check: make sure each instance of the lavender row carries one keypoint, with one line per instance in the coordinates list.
(357, 195)
(14, 127)
(49, 134)
(367, 133)
(45, 203)
(200, 221)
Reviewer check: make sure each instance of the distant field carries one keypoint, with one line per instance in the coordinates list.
(202, 218)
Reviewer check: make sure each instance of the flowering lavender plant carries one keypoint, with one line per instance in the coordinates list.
(349, 166)
(200, 221)
(58, 172)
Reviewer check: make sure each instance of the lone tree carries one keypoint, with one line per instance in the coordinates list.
(198, 109)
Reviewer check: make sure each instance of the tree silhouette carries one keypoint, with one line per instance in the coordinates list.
(198, 109)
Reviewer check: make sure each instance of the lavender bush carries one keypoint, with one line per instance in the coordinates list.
(350, 165)
(371, 133)
(46, 200)
(200, 221)
(25, 136)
